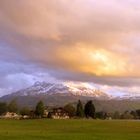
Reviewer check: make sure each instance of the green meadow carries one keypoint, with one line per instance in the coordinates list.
(45, 129)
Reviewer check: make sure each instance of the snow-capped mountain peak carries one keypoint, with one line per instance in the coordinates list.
(80, 89)
(73, 89)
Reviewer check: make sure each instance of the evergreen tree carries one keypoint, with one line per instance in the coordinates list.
(90, 109)
(12, 107)
(80, 110)
(40, 108)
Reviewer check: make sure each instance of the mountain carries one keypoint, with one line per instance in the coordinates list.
(65, 89)
(60, 94)
(55, 94)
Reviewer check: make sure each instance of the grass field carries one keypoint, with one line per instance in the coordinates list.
(69, 130)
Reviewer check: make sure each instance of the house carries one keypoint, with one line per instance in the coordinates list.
(58, 113)
(11, 115)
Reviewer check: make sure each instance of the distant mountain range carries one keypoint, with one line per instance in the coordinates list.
(61, 94)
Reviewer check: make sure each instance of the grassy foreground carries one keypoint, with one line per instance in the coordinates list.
(69, 130)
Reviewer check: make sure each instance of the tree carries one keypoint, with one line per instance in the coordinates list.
(127, 115)
(90, 109)
(138, 113)
(40, 108)
(116, 115)
(49, 115)
(25, 111)
(3, 108)
(101, 115)
(80, 110)
(12, 107)
(70, 109)
(134, 114)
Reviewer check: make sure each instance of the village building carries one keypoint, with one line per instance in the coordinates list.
(58, 113)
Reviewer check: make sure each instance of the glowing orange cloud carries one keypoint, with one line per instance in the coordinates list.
(91, 60)
(91, 36)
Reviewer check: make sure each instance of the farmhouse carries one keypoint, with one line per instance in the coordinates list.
(58, 113)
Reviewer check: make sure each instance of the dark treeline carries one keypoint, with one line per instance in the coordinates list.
(81, 110)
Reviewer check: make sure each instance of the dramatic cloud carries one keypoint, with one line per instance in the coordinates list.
(82, 40)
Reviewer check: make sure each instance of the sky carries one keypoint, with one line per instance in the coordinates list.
(92, 41)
